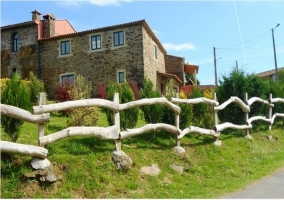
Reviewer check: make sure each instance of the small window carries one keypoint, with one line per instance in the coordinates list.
(118, 38)
(15, 42)
(65, 47)
(120, 76)
(67, 79)
(155, 51)
(95, 42)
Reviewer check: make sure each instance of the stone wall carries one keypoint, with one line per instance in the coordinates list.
(98, 66)
(151, 64)
(25, 59)
(175, 65)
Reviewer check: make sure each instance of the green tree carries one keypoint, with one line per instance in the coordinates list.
(36, 86)
(16, 94)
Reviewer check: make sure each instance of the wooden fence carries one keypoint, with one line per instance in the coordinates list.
(42, 115)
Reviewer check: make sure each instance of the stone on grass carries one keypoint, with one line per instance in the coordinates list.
(121, 160)
(217, 143)
(177, 168)
(179, 150)
(38, 163)
(152, 170)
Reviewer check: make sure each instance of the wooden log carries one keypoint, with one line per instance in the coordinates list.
(150, 127)
(76, 104)
(257, 99)
(276, 115)
(109, 133)
(42, 101)
(195, 101)
(116, 116)
(150, 101)
(220, 127)
(255, 118)
(18, 113)
(201, 131)
(244, 107)
(275, 100)
(23, 149)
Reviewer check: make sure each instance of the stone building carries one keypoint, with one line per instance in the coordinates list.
(54, 51)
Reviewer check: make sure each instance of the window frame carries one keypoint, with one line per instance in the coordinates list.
(120, 41)
(96, 40)
(15, 47)
(67, 74)
(155, 51)
(119, 71)
(65, 42)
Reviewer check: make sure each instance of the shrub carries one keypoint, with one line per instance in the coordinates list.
(36, 86)
(17, 94)
(86, 116)
(237, 84)
(102, 91)
(129, 117)
(151, 113)
(202, 113)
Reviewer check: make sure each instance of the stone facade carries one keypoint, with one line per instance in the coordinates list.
(23, 60)
(141, 55)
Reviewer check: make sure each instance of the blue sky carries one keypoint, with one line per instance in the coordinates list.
(240, 30)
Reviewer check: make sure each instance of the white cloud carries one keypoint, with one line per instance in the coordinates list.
(94, 2)
(179, 47)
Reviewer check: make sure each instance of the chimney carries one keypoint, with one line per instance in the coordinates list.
(49, 25)
(36, 15)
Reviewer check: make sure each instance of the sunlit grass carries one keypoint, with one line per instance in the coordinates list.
(87, 171)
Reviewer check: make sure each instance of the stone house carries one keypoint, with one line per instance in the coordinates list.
(271, 74)
(54, 51)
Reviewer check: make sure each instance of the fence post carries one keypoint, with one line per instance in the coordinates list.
(177, 124)
(246, 113)
(270, 111)
(215, 115)
(117, 122)
(42, 101)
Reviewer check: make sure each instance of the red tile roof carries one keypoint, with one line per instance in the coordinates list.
(269, 73)
(189, 68)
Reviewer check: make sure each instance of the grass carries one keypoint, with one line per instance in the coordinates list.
(86, 169)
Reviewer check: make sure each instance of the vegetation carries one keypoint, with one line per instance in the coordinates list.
(36, 86)
(16, 93)
(86, 169)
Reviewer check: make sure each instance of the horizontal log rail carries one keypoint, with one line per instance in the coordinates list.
(195, 101)
(18, 113)
(257, 99)
(23, 149)
(201, 131)
(244, 107)
(226, 125)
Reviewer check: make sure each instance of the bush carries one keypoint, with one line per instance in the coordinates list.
(17, 94)
(129, 117)
(36, 86)
(151, 113)
(202, 113)
(237, 84)
(86, 116)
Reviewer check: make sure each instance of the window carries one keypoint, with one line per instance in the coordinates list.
(65, 47)
(155, 51)
(121, 76)
(95, 42)
(67, 78)
(118, 38)
(15, 42)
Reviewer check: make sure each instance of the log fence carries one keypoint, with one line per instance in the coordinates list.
(41, 116)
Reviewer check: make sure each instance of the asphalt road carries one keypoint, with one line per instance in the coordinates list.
(270, 187)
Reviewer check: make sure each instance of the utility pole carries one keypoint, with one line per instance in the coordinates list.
(275, 60)
(215, 68)
(237, 68)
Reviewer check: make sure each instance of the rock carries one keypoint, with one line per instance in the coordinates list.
(121, 160)
(217, 143)
(50, 177)
(40, 163)
(270, 137)
(177, 168)
(153, 170)
(179, 150)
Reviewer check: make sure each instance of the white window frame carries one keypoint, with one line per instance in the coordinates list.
(66, 74)
(117, 75)
(59, 48)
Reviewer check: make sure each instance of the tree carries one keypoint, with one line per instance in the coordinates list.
(17, 94)
(189, 79)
